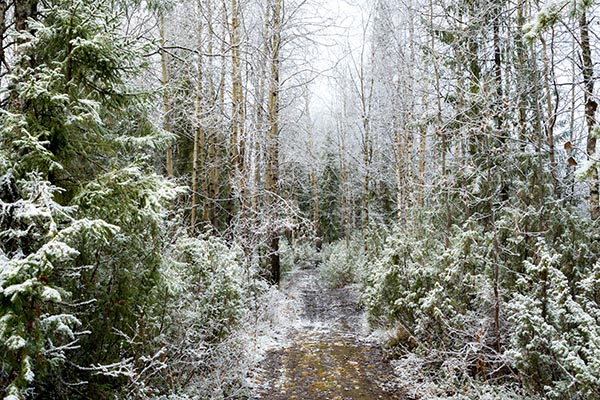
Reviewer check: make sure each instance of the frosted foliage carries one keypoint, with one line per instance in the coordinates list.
(128, 196)
(34, 148)
(438, 294)
(548, 16)
(557, 335)
(343, 262)
(15, 342)
(13, 393)
(28, 374)
(217, 287)
(420, 383)
(206, 288)
(551, 13)
(586, 168)
(39, 236)
(61, 323)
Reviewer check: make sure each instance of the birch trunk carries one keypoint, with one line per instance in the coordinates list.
(199, 135)
(164, 62)
(272, 172)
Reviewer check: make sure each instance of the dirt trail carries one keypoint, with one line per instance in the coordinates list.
(328, 356)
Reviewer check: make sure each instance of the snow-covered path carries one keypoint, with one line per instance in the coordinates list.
(327, 355)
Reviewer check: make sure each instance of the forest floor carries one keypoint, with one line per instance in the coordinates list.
(327, 355)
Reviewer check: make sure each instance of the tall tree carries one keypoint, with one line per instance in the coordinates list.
(272, 159)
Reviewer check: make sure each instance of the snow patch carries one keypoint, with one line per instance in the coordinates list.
(50, 294)
(15, 342)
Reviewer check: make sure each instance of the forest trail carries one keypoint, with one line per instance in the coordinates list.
(328, 355)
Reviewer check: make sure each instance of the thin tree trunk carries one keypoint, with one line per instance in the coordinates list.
(590, 111)
(521, 79)
(194, 180)
(551, 118)
(367, 155)
(24, 9)
(3, 63)
(412, 95)
(261, 106)
(537, 121)
(499, 117)
(199, 135)
(570, 178)
(439, 128)
(399, 157)
(237, 94)
(166, 101)
(212, 189)
(272, 172)
(344, 177)
(366, 101)
(313, 174)
(422, 165)
(231, 152)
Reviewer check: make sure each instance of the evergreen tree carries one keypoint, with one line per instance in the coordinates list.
(81, 215)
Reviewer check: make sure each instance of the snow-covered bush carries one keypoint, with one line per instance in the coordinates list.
(212, 288)
(398, 279)
(298, 254)
(203, 294)
(38, 251)
(449, 382)
(342, 262)
(516, 299)
(556, 340)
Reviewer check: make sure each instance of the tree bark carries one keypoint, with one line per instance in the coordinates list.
(366, 93)
(3, 7)
(199, 133)
(164, 62)
(231, 150)
(237, 94)
(272, 167)
(590, 111)
(212, 189)
(522, 77)
(551, 118)
(344, 204)
(314, 182)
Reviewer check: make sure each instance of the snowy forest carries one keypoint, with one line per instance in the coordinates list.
(197, 198)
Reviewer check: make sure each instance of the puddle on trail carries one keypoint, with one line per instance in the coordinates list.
(327, 358)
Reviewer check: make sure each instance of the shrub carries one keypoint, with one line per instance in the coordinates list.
(517, 300)
(343, 262)
(298, 254)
